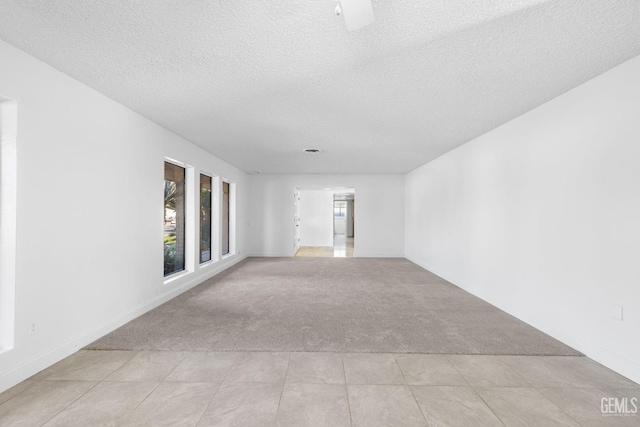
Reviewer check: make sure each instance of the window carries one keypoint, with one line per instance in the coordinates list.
(174, 218)
(205, 218)
(339, 209)
(225, 217)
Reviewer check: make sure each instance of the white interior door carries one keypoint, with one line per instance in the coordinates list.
(340, 217)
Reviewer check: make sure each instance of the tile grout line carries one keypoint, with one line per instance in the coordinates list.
(457, 370)
(559, 408)
(488, 406)
(149, 394)
(562, 410)
(346, 388)
(176, 367)
(19, 393)
(74, 401)
(45, 380)
(410, 390)
(509, 368)
(96, 383)
(139, 404)
(136, 352)
(474, 390)
(218, 390)
(275, 419)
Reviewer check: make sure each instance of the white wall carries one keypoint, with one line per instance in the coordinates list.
(89, 213)
(316, 218)
(541, 217)
(379, 212)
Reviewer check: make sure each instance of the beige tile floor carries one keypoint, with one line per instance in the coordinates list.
(131, 388)
(342, 248)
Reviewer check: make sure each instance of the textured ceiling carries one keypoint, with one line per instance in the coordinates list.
(255, 82)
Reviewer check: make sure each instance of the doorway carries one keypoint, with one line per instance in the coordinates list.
(324, 222)
(343, 224)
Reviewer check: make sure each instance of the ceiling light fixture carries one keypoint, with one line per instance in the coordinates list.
(311, 150)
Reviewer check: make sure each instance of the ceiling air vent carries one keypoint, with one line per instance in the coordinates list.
(311, 150)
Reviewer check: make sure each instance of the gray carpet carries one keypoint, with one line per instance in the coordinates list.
(334, 305)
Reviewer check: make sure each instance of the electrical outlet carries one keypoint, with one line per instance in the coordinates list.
(33, 328)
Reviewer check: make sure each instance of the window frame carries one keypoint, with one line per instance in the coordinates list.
(213, 253)
(224, 224)
(189, 228)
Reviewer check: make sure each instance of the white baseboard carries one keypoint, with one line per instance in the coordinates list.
(377, 255)
(355, 255)
(41, 361)
(271, 255)
(611, 360)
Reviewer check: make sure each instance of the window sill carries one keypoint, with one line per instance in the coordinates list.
(175, 276)
(207, 264)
